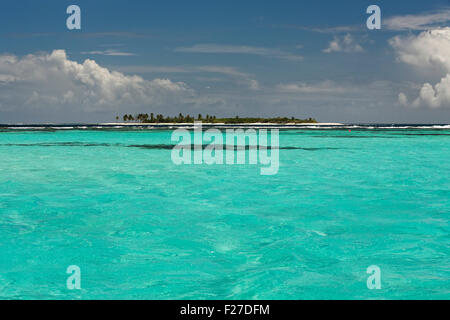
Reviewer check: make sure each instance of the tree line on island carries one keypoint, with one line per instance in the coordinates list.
(159, 118)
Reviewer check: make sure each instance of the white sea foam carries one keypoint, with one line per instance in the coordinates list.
(312, 126)
(26, 128)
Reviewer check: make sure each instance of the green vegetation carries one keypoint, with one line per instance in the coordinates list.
(145, 118)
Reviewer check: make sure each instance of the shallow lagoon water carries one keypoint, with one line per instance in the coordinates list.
(140, 227)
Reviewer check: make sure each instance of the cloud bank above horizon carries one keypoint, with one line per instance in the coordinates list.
(53, 81)
(428, 51)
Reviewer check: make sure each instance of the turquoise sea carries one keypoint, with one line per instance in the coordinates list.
(140, 227)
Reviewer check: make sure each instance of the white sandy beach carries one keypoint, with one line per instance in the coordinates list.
(220, 123)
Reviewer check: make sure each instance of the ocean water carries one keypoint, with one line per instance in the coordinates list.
(140, 227)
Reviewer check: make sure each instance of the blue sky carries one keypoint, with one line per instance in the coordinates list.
(262, 58)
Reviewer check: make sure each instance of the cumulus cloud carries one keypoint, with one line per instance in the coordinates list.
(402, 99)
(431, 96)
(343, 44)
(430, 51)
(52, 80)
(259, 51)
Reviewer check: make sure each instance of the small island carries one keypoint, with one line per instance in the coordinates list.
(159, 118)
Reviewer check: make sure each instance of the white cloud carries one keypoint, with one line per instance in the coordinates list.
(324, 29)
(343, 44)
(5, 78)
(325, 87)
(424, 21)
(224, 70)
(230, 71)
(221, 69)
(430, 51)
(259, 51)
(402, 99)
(109, 52)
(227, 70)
(52, 80)
(431, 96)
